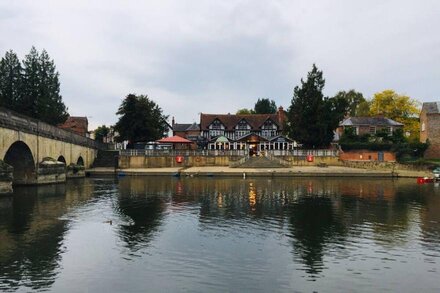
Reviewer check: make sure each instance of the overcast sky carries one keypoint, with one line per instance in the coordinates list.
(219, 56)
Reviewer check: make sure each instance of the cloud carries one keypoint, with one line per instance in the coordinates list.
(206, 56)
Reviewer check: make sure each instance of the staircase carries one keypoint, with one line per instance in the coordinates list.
(260, 162)
(106, 159)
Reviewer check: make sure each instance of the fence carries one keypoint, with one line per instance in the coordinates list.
(229, 153)
(194, 153)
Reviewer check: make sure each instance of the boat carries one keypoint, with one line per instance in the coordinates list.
(436, 173)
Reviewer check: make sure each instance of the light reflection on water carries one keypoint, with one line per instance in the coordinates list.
(219, 234)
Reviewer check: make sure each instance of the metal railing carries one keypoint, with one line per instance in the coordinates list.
(229, 153)
(172, 153)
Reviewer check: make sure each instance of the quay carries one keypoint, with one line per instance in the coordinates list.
(297, 171)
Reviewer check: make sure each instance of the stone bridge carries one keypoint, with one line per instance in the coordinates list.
(39, 152)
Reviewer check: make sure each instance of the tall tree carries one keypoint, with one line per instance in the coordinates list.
(10, 80)
(40, 96)
(31, 82)
(398, 107)
(265, 106)
(354, 100)
(311, 117)
(141, 119)
(50, 105)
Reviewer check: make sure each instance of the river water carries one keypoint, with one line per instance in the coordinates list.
(164, 234)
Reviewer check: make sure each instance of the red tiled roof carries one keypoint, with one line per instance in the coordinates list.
(174, 139)
(77, 124)
(231, 120)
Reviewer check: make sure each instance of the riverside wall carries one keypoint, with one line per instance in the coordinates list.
(133, 162)
(128, 162)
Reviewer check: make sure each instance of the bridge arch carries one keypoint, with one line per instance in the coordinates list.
(19, 156)
(80, 161)
(62, 159)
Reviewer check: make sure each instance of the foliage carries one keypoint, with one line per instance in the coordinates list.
(141, 120)
(265, 106)
(101, 132)
(355, 101)
(10, 80)
(382, 141)
(311, 117)
(245, 111)
(400, 108)
(410, 150)
(32, 88)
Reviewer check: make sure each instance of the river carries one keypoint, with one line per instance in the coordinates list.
(165, 234)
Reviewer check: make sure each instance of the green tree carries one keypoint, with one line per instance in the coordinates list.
(245, 111)
(311, 117)
(50, 105)
(354, 100)
(10, 80)
(265, 106)
(31, 83)
(40, 96)
(140, 120)
(101, 132)
(400, 108)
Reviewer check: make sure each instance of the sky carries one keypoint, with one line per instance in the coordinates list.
(220, 56)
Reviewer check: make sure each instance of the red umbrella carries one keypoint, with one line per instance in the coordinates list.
(174, 139)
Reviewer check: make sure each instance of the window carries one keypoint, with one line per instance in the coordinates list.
(269, 129)
(241, 133)
(215, 132)
(216, 124)
(268, 133)
(423, 126)
(372, 129)
(243, 125)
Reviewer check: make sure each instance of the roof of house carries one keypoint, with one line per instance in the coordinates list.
(186, 127)
(75, 123)
(431, 107)
(373, 121)
(231, 120)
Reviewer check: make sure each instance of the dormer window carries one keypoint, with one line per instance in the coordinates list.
(269, 129)
(242, 128)
(216, 124)
(243, 125)
(216, 128)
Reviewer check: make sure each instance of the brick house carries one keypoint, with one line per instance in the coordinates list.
(79, 125)
(188, 131)
(430, 128)
(369, 125)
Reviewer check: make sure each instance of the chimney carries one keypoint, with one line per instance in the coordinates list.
(281, 116)
(172, 122)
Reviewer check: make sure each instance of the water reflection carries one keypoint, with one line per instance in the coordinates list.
(141, 206)
(207, 231)
(32, 233)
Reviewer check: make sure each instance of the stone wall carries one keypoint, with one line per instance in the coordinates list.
(12, 120)
(126, 162)
(6, 172)
(302, 161)
(375, 165)
(432, 126)
(366, 155)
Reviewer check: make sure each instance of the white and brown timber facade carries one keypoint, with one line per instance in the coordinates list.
(253, 132)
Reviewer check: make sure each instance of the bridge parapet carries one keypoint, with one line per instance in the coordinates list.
(13, 120)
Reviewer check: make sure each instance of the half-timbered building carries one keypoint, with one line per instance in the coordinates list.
(253, 132)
